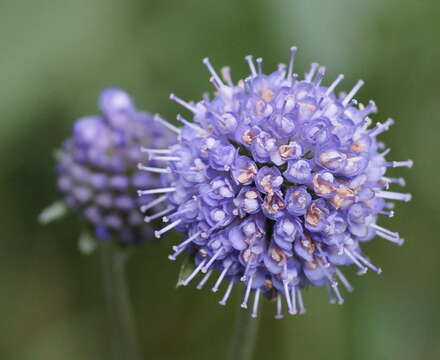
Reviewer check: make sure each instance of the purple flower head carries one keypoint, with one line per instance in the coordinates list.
(98, 172)
(289, 181)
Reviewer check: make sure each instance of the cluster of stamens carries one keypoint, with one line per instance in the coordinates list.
(276, 181)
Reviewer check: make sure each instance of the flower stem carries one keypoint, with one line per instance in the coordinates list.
(244, 338)
(122, 333)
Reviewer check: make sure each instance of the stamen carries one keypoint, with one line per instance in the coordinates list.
(393, 239)
(291, 61)
(153, 169)
(387, 213)
(193, 274)
(156, 191)
(311, 73)
(251, 65)
(227, 293)
(175, 254)
(294, 307)
(370, 108)
(214, 83)
(211, 261)
(212, 71)
(246, 270)
(155, 151)
(287, 295)
(220, 279)
(398, 181)
(183, 103)
(166, 124)
(344, 280)
(226, 75)
(256, 301)
(380, 128)
(180, 212)
(153, 203)
(369, 264)
(385, 153)
(183, 244)
(394, 164)
(337, 293)
(147, 219)
(302, 309)
(334, 84)
(330, 293)
(353, 92)
(260, 66)
(164, 158)
(327, 274)
(362, 269)
(319, 76)
(247, 293)
(204, 280)
(382, 229)
(159, 233)
(188, 123)
(393, 195)
(279, 314)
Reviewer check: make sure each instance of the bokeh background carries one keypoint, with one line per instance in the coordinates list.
(56, 56)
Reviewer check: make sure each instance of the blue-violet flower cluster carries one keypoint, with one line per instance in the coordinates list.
(98, 173)
(277, 181)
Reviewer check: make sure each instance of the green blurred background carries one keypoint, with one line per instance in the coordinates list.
(56, 56)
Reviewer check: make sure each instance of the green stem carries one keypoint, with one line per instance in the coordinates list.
(123, 340)
(244, 338)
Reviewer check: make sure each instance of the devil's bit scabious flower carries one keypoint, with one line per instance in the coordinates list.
(277, 182)
(98, 168)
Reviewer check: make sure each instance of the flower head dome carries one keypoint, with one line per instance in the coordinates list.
(277, 181)
(98, 171)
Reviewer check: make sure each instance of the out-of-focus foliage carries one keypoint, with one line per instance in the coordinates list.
(56, 57)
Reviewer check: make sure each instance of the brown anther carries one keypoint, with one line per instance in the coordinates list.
(314, 215)
(273, 203)
(322, 186)
(308, 243)
(260, 106)
(312, 264)
(248, 174)
(265, 183)
(358, 146)
(267, 284)
(343, 193)
(246, 255)
(309, 106)
(247, 137)
(285, 151)
(266, 94)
